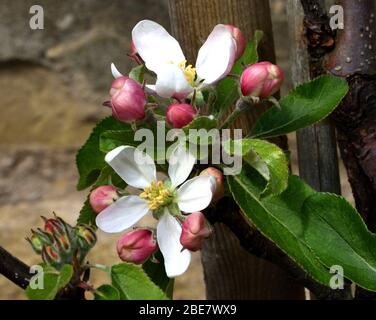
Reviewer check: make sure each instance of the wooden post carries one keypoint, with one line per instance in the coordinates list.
(317, 149)
(231, 272)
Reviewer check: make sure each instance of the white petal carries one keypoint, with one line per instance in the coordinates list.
(115, 72)
(217, 55)
(176, 261)
(171, 82)
(136, 168)
(151, 89)
(155, 45)
(181, 162)
(122, 214)
(195, 195)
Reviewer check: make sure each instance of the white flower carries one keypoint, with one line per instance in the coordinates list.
(138, 170)
(163, 55)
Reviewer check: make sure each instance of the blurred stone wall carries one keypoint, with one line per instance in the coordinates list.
(52, 85)
(54, 80)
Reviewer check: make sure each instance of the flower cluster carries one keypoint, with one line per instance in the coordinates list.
(59, 243)
(174, 202)
(162, 55)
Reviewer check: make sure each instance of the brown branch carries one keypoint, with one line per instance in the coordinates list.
(14, 269)
(256, 244)
(355, 119)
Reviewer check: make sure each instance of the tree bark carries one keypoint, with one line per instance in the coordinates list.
(354, 59)
(231, 272)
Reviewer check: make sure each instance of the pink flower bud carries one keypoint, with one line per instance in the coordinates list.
(102, 197)
(134, 54)
(261, 80)
(128, 100)
(136, 246)
(180, 115)
(239, 39)
(218, 187)
(194, 231)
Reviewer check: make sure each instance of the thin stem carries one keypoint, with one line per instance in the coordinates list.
(241, 106)
(100, 267)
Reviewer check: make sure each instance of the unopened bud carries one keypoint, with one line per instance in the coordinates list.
(86, 237)
(102, 197)
(51, 256)
(128, 100)
(194, 231)
(218, 186)
(239, 39)
(261, 80)
(36, 243)
(52, 225)
(136, 246)
(180, 115)
(134, 54)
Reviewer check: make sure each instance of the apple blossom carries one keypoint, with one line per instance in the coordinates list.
(239, 38)
(218, 187)
(180, 115)
(101, 197)
(163, 55)
(261, 80)
(136, 246)
(194, 232)
(128, 100)
(164, 199)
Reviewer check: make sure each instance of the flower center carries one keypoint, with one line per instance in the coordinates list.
(189, 72)
(157, 195)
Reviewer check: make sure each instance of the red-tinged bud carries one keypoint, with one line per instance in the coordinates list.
(134, 54)
(218, 186)
(128, 100)
(239, 38)
(136, 246)
(180, 115)
(52, 226)
(51, 256)
(194, 232)
(86, 237)
(261, 80)
(102, 197)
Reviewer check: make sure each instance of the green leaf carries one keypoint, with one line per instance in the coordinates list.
(111, 139)
(106, 292)
(134, 284)
(53, 282)
(202, 122)
(87, 214)
(279, 218)
(227, 89)
(199, 131)
(89, 159)
(268, 159)
(109, 176)
(302, 107)
(138, 73)
(157, 273)
(338, 236)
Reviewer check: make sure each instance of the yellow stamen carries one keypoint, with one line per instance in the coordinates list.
(189, 72)
(157, 195)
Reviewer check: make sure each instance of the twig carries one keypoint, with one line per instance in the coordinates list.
(14, 269)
